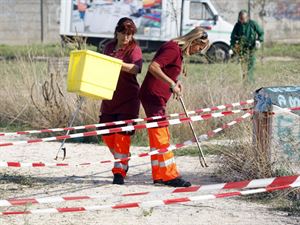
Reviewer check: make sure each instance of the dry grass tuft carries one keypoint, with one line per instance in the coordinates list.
(245, 160)
(50, 104)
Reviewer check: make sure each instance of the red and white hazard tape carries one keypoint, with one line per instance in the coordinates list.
(128, 128)
(247, 184)
(288, 109)
(150, 204)
(94, 126)
(144, 154)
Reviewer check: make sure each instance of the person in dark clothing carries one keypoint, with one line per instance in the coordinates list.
(246, 38)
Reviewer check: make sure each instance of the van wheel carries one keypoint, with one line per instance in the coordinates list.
(218, 53)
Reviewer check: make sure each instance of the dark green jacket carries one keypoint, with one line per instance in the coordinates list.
(246, 34)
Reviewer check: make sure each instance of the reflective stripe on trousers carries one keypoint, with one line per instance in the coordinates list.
(154, 161)
(119, 155)
(120, 165)
(163, 163)
(167, 162)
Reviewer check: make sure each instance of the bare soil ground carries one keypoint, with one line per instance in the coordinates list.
(96, 180)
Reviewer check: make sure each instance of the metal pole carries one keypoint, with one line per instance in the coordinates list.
(81, 100)
(42, 19)
(181, 18)
(201, 155)
(249, 8)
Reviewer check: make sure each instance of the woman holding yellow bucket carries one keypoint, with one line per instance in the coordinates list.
(159, 84)
(125, 103)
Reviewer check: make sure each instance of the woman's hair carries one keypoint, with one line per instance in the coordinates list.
(197, 35)
(126, 26)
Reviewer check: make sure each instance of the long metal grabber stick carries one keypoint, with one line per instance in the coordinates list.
(81, 100)
(201, 154)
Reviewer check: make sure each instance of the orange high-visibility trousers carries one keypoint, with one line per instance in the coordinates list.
(163, 165)
(119, 145)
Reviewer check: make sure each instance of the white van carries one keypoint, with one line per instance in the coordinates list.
(157, 21)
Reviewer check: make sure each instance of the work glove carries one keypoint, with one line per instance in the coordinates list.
(257, 44)
(230, 53)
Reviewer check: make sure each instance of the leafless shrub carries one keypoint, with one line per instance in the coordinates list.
(50, 102)
(33, 98)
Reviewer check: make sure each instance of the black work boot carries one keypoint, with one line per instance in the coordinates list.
(158, 182)
(177, 182)
(118, 179)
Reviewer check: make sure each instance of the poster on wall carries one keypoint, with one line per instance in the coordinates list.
(101, 16)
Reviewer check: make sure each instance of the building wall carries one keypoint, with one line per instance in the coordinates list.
(20, 20)
(281, 20)
(229, 9)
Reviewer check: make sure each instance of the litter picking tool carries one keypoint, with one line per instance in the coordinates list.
(62, 148)
(201, 155)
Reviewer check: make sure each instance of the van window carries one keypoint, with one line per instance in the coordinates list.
(200, 11)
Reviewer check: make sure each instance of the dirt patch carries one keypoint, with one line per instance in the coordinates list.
(96, 180)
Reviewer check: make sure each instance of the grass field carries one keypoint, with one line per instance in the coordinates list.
(24, 82)
(55, 50)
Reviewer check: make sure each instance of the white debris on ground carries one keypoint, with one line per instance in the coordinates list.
(96, 180)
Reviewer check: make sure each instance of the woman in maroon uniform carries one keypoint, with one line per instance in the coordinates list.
(125, 103)
(160, 82)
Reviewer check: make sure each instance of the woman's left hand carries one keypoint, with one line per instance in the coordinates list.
(130, 68)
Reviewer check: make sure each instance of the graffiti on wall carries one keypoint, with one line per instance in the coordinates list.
(288, 101)
(285, 97)
(283, 9)
(86, 15)
(287, 10)
(287, 136)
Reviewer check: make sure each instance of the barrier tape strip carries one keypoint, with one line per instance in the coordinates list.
(144, 154)
(127, 128)
(94, 126)
(150, 204)
(257, 183)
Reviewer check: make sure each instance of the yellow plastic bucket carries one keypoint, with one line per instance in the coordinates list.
(92, 74)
